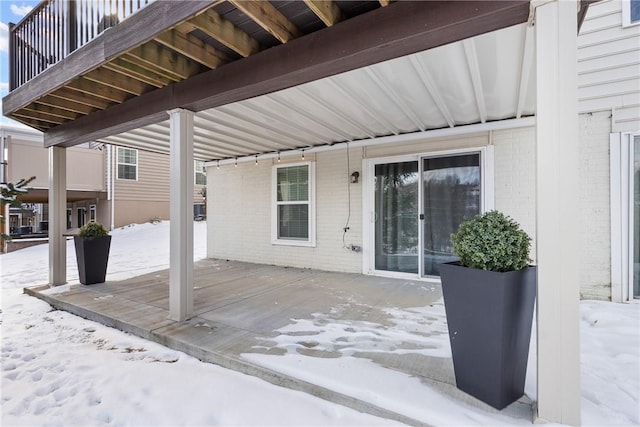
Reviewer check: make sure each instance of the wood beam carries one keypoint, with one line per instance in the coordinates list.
(98, 89)
(269, 18)
(400, 29)
(40, 117)
(214, 25)
(326, 10)
(52, 101)
(52, 111)
(117, 81)
(136, 72)
(81, 98)
(29, 121)
(151, 67)
(170, 62)
(193, 48)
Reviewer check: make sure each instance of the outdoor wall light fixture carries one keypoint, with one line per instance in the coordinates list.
(354, 177)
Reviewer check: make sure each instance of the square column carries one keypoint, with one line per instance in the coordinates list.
(57, 215)
(557, 183)
(181, 212)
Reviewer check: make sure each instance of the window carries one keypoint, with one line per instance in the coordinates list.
(68, 218)
(127, 163)
(92, 213)
(81, 216)
(293, 217)
(199, 171)
(630, 13)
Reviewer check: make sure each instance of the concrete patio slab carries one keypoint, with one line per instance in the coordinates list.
(285, 325)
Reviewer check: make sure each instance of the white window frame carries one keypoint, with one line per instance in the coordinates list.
(487, 194)
(621, 167)
(93, 213)
(199, 170)
(311, 241)
(626, 14)
(118, 163)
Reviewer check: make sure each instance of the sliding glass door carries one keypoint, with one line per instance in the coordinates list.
(417, 205)
(396, 217)
(635, 226)
(451, 194)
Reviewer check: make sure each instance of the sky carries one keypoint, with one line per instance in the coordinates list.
(10, 11)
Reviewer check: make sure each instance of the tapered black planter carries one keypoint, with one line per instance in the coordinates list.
(92, 254)
(489, 316)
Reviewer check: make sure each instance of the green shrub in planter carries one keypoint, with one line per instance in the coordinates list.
(92, 253)
(93, 229)
(492, 241)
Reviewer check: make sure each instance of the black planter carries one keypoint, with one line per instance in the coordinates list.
(92, 254)
(489, 316)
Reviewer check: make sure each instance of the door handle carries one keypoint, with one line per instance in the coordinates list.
(421, 217)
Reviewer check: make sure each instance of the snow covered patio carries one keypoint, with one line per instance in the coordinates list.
(347, 338)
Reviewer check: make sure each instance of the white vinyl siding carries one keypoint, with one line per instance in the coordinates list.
(293, 205)
(608, 66)
(127, 163)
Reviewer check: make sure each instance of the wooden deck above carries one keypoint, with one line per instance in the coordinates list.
(180, 55)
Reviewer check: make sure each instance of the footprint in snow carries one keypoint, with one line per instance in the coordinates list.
(37, 376)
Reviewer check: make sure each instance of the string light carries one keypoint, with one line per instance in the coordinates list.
(256, 160)
(218, 165)
(302, 154)
(278, 157)
(236, 165)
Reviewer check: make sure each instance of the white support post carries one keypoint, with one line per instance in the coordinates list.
(181, 211)
(557, 147)
(57, 215)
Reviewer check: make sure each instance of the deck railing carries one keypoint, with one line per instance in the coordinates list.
(55, 28)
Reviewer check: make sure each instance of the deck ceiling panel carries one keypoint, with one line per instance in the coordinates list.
(379, 100)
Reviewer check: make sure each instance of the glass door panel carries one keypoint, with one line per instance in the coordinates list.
(635, 227)
(451, 194)
(396, 217)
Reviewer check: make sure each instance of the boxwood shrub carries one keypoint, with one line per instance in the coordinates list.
(492, 241)
(93, 229)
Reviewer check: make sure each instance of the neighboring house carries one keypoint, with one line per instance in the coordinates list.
(135, 180)
(356, 136)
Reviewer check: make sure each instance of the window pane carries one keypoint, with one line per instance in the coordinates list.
(396, 219)
(293, 222)
(635, 10)
(451, 189)
(126, 172)
(293, 184)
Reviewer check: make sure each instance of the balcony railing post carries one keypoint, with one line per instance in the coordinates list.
(72, 26)
(13, 52)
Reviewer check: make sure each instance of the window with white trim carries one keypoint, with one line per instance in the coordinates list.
(127, 163)
(630, 12)
(199, 172)
(293, 218)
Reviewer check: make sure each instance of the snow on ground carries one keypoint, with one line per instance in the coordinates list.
(58, 369)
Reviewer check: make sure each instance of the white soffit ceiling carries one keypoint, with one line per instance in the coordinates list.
(487, 78)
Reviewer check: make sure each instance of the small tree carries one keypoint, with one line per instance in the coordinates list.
(9, 193)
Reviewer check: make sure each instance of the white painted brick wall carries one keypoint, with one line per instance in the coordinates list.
(515, 177)
(515, 194)
(595, 254)
(240, 227)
